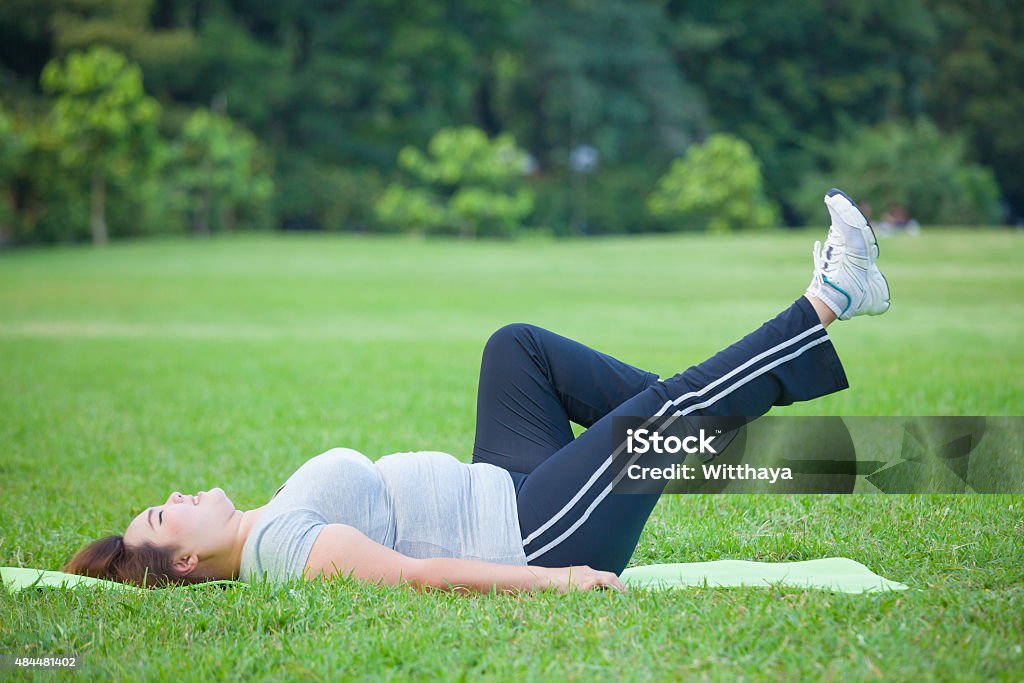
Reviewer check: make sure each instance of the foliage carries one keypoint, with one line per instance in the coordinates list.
(601, 74)
(125, 26)
(334, 92)
(718, 185)
(466, 184)
(103, 121)
(915, 167)
(788, 76)
(321, 196)
(608, 201)
(101, 115)
(50, 204)
(14, 147)
(978, 85)
(220, 166)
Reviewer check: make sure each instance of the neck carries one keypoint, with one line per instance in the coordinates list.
(227, 566)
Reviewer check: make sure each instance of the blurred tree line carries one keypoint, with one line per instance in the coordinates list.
(123, 117)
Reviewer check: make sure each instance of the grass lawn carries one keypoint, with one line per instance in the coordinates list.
(147, 367)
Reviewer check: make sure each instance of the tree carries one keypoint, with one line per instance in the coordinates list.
(334, 91)
(792, 77)
(14, 146)
(105, 123)
(465, 184)
(978, 85)
(717, 185)
(913, 166)
(600, 74)
(219, 163)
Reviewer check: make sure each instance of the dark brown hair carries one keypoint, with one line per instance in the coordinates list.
(148, 566)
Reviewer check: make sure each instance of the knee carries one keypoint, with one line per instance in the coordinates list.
(509, 335)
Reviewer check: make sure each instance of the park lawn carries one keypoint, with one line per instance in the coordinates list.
(146, 367)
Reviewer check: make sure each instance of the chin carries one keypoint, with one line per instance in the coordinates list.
(217, 495)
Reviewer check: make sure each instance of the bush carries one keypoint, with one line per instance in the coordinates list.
(914, 166)
(39, 201)
(315, 196)
(715, 186)
(466, 184)
(222, 169)
(13, 150)
(616, 199)
(613, 200)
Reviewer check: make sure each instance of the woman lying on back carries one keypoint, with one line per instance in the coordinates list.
(535, 509)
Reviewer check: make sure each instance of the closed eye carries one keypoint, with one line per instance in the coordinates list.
(161, 517)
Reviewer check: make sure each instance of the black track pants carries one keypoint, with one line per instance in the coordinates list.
(534, 382)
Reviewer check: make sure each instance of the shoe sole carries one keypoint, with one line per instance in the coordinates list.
(845, 213)
(888, 291)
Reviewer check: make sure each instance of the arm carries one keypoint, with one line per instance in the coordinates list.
(342, 550)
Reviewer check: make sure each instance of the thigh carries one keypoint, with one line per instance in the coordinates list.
(534, 384)
(567, 511)
(568, 514)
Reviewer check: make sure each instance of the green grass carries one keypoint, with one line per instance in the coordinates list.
(132, 371)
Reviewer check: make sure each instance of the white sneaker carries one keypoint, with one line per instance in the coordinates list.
(846, 276)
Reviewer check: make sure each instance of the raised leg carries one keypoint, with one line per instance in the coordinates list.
(567, 512)
(533, 383)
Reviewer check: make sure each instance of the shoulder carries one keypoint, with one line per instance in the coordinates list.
(279, 543)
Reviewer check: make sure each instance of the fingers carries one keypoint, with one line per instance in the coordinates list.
(610, 580)
(587, 578)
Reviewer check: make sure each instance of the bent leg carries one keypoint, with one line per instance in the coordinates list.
(533, 382)
(567, 512)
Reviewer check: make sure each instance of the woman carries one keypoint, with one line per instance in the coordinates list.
(535, 509)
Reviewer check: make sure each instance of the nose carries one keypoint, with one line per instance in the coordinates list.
(175, 497)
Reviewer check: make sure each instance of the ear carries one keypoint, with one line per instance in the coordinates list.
(186, 564)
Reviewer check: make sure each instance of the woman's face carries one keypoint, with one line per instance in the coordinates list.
(186, 525)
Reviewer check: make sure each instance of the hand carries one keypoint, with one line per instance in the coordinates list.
(580, 577)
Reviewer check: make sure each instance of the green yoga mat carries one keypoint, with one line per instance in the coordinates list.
(832, 573)
(18, 578)
(838, 574)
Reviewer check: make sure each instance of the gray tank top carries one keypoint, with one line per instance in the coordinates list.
(423, 504)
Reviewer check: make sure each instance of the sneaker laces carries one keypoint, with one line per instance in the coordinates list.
(829, 294)
(831, 256)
